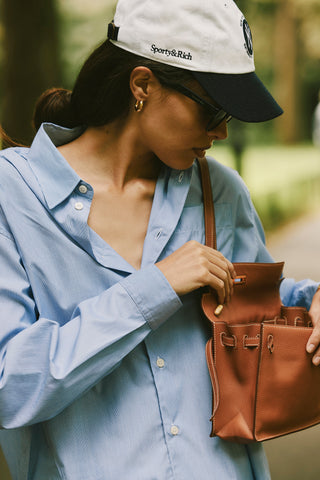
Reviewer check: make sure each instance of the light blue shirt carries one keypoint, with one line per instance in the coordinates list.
(103, 369)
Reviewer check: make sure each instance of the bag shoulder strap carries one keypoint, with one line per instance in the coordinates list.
(208, 206)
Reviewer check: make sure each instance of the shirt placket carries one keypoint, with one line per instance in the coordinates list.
(167, 208)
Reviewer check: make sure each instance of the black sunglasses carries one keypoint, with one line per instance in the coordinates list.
(217, 114)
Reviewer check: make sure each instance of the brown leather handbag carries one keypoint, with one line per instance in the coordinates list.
(264, 383)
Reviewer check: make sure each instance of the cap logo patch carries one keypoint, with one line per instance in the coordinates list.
(248, 45)
(171, 53)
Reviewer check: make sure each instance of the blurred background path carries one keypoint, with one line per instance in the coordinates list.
(298, 244)
(297, 456)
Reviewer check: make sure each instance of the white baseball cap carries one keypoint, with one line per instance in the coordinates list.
(210, 38)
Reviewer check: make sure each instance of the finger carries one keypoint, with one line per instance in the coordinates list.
(316, 358)
(232, 270)
(220, 280)
(221, 271)
(224, 263)
(231, 275)
(314, 339)
(218, 285)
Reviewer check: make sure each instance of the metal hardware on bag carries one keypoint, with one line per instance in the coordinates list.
(270, 344)
(240, 280)
(218, 310)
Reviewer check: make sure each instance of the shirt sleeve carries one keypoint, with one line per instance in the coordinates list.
(299, 294)
(45, 366)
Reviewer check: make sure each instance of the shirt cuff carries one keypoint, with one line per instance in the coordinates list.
(297, 293)
(153, 295)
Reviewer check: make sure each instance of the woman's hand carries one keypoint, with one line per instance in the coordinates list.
(313, 345)
(195, 265)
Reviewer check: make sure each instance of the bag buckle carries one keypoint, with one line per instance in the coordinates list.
(240, 280)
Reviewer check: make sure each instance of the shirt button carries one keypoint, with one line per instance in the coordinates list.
(174, 430)
(160, 362)
(158, 234)
(180, 178)
(78, 206)
(83, 189)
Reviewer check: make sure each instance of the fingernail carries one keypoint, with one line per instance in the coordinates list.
(310, 348)
(316, 361)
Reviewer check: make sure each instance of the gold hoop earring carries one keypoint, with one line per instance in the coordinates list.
(138, 106)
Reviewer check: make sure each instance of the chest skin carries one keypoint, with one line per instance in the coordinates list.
(121, 218)
(123, 193)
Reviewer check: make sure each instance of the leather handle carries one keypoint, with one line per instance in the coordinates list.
(208, 206)
(211, 241)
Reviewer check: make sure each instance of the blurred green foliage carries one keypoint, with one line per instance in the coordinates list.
(84, 26)
(284, 181)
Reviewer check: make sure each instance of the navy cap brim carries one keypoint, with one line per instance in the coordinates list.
(241, 95)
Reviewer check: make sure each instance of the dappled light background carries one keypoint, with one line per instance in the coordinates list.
(277, 159)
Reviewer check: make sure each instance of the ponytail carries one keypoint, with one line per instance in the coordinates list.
(54, 106)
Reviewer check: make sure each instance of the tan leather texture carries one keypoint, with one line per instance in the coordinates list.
(263, 380)
(264, 383)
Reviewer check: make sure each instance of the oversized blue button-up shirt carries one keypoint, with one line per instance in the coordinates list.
(103, 373)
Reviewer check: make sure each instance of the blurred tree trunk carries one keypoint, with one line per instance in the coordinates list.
(31, 61)
(286, 70)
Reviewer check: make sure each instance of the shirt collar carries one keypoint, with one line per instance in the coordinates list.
(55, 176)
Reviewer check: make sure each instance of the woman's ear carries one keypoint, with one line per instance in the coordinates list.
(142, 80)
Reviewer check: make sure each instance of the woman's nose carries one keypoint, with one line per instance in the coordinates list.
(220, 132)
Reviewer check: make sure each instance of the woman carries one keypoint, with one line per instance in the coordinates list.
(101, 240)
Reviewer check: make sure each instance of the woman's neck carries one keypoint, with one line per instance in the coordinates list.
(111, 154)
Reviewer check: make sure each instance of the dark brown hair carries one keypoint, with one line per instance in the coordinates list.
(101, 93)
(53, 106)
